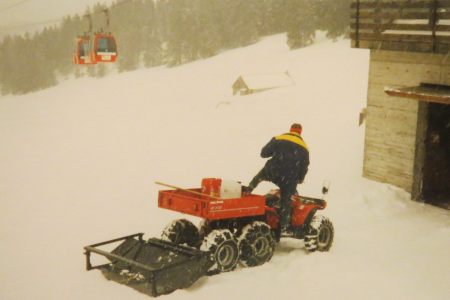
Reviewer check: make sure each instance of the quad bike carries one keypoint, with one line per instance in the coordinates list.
(237, 228)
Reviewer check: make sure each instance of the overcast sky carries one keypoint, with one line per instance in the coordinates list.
(18, 16)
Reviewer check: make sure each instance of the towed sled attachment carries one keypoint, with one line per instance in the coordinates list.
(153, 267)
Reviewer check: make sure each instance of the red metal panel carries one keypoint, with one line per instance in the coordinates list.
(251, 205)
(301, 210)
(300, 213)
(182, 202)
(210, 208)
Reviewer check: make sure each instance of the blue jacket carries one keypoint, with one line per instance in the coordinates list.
(289, 159)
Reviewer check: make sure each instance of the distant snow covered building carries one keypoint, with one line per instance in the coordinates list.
(407, 136)
(249, 84)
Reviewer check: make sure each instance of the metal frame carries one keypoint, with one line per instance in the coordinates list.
(153, 241)
(92, 248)
(155, 278)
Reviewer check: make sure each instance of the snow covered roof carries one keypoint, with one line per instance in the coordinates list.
(265, 81)
(413, 22)
(410, 32)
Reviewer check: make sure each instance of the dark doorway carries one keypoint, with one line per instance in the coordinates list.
(436, 167)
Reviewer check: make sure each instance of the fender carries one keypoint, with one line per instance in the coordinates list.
(310, 217)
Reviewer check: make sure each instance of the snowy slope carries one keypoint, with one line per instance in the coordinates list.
(78, 162)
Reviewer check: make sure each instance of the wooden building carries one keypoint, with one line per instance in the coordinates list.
(249, 84)
(407, 140)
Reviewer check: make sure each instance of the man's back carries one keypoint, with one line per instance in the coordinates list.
(289, 157)
(286, 168)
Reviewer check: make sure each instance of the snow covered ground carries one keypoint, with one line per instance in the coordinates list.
(78, 162)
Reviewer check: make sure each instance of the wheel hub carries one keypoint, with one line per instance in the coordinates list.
(225, 256)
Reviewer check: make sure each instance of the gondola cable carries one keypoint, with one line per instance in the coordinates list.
(13, 5)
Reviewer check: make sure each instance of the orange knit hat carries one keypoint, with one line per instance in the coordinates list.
(297, 128)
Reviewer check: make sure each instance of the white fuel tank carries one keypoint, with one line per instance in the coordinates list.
(230, 189)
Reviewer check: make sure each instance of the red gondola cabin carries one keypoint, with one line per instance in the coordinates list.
(99, 47)
(105, 48)
(82, 54)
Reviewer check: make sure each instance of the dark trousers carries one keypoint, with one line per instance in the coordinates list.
(287, 189)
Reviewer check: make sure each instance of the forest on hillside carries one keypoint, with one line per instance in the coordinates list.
(163, 32)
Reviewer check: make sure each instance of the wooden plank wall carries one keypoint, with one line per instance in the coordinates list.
(391, 123)
(401, 25)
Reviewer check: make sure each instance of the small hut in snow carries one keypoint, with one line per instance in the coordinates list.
(249, 84)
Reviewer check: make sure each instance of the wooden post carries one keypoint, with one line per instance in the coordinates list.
(377, 18)
(419, 156)
(357, 25)
(188, 191)
(433, 23)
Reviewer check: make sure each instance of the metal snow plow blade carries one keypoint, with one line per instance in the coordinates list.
(153, 267)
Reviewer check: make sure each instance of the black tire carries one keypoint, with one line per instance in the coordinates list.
(204, 228)
(223, 247)
(320, 234)
(182, 232)
(256, 244)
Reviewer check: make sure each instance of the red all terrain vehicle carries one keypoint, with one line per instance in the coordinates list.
(236, 228)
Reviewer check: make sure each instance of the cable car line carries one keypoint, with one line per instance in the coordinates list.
(13, 5)
(34, 24)
(30, 24)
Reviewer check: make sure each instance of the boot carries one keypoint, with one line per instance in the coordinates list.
(246, 190)
(285, 224)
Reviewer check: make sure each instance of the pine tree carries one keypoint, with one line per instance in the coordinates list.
(152, 37)
(335, 16)
(7, 50)
(301, 23)
(126, 28)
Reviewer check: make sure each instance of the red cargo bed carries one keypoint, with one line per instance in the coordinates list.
(211, 208)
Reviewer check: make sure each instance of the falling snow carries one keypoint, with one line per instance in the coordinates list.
(78, 162)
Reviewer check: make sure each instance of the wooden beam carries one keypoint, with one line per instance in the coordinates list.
(382, 37)
(398, 4)
(396, 14)
(428, 93)
(393, 26)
